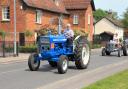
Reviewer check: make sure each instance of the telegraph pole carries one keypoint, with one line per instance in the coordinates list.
(15, 46)
(60, 25)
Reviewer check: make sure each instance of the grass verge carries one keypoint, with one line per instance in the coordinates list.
(117, 81)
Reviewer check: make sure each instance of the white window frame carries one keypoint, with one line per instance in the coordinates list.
(38, 16)
(75, 19)
(6, 13)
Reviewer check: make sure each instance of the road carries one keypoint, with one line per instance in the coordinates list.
(18, 76)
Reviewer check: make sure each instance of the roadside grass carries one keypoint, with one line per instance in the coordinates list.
(117, 81)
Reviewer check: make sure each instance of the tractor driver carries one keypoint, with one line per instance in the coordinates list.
(116, 40)
(69, 34)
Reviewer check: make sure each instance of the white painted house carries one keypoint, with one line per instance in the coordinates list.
(110, 26)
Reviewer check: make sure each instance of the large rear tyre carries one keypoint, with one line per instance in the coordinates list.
(62, 64)
(52, 63)
(82, 54)
(125, 51)
(33, 63)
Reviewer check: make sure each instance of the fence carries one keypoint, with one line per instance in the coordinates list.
(7, 48)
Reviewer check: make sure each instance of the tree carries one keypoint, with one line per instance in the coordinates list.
(113, 15)
(99, 14)
(125, 19)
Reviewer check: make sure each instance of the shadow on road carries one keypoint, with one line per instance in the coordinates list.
(48, 68)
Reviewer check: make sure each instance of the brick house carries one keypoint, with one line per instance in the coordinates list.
(32, 14)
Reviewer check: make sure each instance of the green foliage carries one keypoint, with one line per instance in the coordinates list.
(94, 46)
(125, 19)
(118, 81)
(9, 49)
(28, 33)
(80, 32)
(99, 14)
(45, 29)
(28, 49)
(2, 33)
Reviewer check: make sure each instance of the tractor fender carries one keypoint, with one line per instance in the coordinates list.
(75, 40)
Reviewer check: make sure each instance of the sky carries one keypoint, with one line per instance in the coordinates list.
(115, 5)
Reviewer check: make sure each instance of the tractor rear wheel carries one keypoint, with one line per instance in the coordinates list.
(52, 63)
(125, 50)
(33, 63)
(82, 54)
(62, 64)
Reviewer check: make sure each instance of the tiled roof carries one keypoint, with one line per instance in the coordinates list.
(76, 4)
(46, 5)
(114, 21)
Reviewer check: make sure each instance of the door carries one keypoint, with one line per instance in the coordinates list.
(22, 39)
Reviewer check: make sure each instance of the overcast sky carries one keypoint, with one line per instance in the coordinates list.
(116, 5)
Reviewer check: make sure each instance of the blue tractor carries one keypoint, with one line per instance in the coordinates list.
(58, 53)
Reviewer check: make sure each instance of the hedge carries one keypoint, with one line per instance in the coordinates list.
(27, 49)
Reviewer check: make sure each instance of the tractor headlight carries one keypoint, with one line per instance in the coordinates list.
(52, 45)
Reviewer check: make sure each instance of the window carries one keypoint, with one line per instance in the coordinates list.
(38, 16)
(89, 19)
(56, 2)
(6, 13)
(75, 19)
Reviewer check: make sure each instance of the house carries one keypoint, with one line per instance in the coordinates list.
(33, 14)
(81, 15)
(106, 28)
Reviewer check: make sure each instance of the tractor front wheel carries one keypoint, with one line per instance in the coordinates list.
(62, 64)
(33, 63)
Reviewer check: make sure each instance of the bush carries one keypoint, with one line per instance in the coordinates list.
(28, 33)
(27, 49)
(2, 34)
(46, 28)
(94, 46)
(80, 32)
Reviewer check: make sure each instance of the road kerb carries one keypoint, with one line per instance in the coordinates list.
(13, 61)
